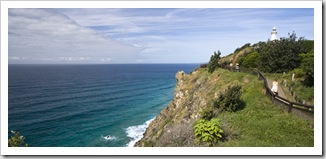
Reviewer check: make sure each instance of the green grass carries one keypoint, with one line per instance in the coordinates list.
(261, 123)
(303, 92)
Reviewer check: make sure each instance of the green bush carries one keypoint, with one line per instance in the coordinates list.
(213, 63)
(308, 67)
(252, 60)
(230, 100)
(208, 131)
(240, 60)
(208, 113)
(298, 72)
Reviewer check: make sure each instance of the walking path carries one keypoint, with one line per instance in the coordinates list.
(280, 90)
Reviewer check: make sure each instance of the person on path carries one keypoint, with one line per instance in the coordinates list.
(275, 87)
(231, 66)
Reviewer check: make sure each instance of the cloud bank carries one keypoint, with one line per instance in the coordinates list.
(47, 36)
(151, 35)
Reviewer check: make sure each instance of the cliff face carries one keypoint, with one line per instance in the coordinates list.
(259, 123)
(173, 126)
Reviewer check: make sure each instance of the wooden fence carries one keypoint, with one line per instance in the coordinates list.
(301, 110)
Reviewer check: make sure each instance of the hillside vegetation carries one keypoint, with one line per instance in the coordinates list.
(213, 106)
(279, 60)
(258, 123)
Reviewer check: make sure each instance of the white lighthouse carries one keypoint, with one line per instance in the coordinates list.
(273, 34)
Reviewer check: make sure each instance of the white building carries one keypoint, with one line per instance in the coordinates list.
(273, 34)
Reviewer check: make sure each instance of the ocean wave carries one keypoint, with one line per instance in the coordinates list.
(109, 137)
(136, 132)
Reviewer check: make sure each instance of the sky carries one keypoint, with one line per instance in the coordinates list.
(139, 35)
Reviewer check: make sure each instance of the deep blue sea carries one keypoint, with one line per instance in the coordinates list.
(80, 105)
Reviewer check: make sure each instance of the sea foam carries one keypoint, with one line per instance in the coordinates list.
(136, 132)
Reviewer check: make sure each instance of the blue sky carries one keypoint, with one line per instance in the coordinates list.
(157, 35)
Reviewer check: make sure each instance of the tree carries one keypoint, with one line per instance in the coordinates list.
(308, 67)
(17, 140)
(213, 63)
(251, 61)
(281, 55)
(308, 45)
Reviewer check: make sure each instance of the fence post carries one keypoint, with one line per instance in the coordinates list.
(293, 77)
(290, 107)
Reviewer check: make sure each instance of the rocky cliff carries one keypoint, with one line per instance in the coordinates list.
(193, 92)
(258, 123)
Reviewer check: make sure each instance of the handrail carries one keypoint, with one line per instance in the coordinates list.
(302, 110)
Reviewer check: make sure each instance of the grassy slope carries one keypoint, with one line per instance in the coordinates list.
(261, 123)
(303, 92)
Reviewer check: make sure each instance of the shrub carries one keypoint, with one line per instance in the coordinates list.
(230, 100)
(208, 131)
(240, 60)
(308, 67)
(298, 72)
(251, 60)
(207, 113)
(213, 63)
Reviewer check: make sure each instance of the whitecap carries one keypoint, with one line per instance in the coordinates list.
(109, 137)
(135, 133)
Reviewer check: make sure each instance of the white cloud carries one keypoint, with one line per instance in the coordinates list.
(164, 35)
(168, 34)
(45, 34)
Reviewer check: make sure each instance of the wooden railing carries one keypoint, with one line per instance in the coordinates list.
(301, 110)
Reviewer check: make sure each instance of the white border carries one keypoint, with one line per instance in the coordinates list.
(316, 150)
(160, 4)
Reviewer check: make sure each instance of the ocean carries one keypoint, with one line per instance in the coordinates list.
(88, 105)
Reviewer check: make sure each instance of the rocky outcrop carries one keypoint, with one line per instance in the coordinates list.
(173, 126)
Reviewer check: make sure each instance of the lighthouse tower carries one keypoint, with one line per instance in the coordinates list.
(273, 34)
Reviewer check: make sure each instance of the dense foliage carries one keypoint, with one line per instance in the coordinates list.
(282, 55)
(16, 140)
(250, 61)
(213, 63)
(208, 131)
(230, 100)
(307, 63)
(208, 112)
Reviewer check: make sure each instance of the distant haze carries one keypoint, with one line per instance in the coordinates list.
(101, 36)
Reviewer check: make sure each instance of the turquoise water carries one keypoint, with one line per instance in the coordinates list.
(80, 105)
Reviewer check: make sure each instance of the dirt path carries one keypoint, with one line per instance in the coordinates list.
(280, 90)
